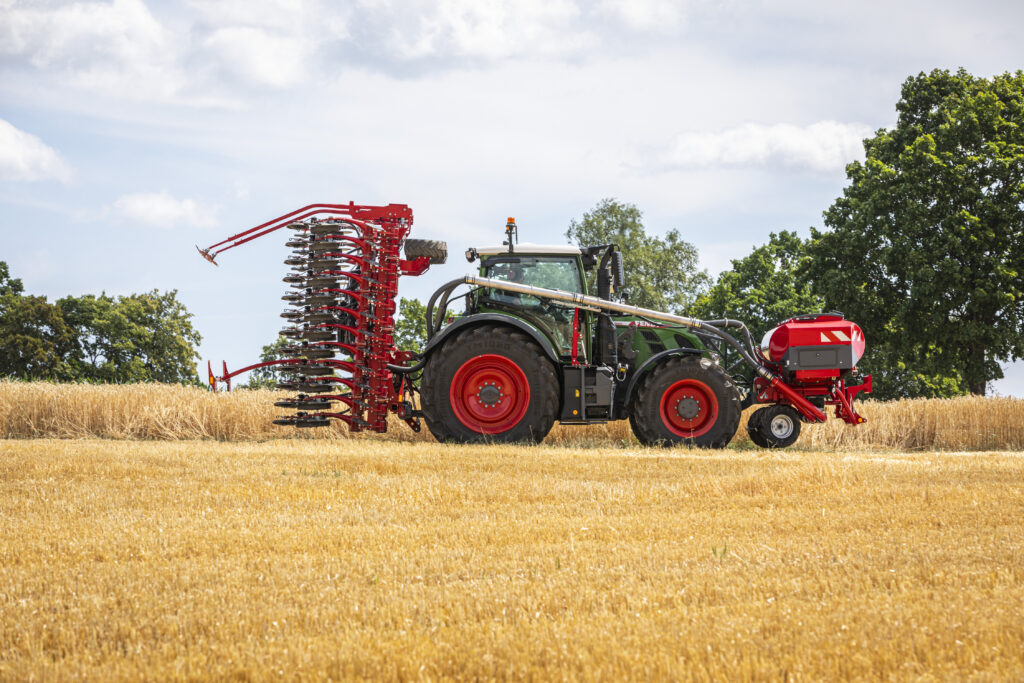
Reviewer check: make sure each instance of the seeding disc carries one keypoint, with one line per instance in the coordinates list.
(305, 404)
(318, 354)
(325, 245)
(328, 228)
(316, 387)
(314, 370)
(316, 335)
(317, 300)
(322, 282)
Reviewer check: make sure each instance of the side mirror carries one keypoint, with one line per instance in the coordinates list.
(618, 271)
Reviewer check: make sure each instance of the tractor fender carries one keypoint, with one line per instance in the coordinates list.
(473, 320)
(649, 365)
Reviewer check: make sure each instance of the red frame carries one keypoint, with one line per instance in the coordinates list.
(382, 230)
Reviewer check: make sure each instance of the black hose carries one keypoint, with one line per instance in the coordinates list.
(732, 342)
(433, 299)
(406, 369)
(727, 322)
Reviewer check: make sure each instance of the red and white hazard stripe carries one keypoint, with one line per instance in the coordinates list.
(834, 337)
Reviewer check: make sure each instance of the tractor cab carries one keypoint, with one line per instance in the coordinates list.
(560, 267)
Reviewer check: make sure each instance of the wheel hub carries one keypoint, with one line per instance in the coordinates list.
(781, 426)
(687, 408)
(489, 395)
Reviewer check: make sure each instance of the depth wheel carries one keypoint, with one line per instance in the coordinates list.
(778, 427)
(687, 401)
(754, 428)
(489, 383)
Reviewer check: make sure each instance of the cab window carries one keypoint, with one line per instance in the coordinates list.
(550, 273)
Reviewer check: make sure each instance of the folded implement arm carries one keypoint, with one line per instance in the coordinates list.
(345, 266)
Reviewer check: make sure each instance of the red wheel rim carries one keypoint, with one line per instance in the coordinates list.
(689, 408)
(489, 394)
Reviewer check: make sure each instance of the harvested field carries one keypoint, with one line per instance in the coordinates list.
(153, 411)
(376, 558)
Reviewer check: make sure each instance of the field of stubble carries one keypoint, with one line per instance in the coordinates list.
(386, 559)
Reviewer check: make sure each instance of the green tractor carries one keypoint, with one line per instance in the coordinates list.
(514, 362)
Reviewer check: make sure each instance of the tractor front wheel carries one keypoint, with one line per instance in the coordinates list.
(489, 383)
(687, 401)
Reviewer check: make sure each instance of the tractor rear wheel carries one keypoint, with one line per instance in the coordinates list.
(688, 401)
(489, 383)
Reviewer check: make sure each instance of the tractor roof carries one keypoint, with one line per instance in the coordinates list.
(528, 248)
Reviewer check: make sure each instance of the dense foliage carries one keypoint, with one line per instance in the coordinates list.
(135, 338)
(926, 247)
(661, 272)
(411, 325)
(763, 288)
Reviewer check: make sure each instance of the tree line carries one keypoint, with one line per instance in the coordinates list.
(135, 338)
(924, 249)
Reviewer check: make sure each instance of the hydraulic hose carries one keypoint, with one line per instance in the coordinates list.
(446, 289)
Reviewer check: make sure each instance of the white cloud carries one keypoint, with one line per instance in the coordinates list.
(821, 146)
(645, 15)
(116, 46)
(256, 56)
(23, 156)
(161, 210)
(481, 29)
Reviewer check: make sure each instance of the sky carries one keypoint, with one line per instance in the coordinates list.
(131, 131)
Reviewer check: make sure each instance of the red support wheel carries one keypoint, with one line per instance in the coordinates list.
(489, 394)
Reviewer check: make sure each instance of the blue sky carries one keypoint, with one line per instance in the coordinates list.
(130, 131)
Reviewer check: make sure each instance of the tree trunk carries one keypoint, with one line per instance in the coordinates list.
(978, 388)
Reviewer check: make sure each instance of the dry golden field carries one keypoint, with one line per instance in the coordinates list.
(385, 559)
(153, 411)
(154, 532)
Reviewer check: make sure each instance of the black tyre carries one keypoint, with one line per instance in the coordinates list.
(436, 250)
(687, 401)
(778, 427)
(754, 428)
(489, 384)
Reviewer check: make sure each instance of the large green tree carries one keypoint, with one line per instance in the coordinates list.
(411, 325)
(136, 338)
(268, 377)
(35, 341)
(661, 272)
(763, 288)
(926, 247)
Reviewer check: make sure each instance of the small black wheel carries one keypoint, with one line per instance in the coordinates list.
(436, 250)
(686, 401)
(489, 383)
(754, 428)
(778, 427)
